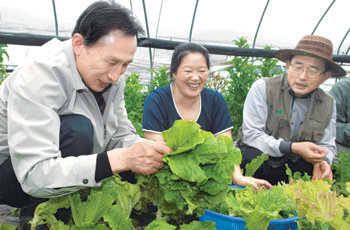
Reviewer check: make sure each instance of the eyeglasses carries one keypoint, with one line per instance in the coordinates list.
(311, 72)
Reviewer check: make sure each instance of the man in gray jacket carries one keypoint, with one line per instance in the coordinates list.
(63, 123)
(289, 118)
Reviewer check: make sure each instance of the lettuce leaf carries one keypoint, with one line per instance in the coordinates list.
(259, 207)
(183, 136)
(160, 225)
(196, 175)
(93, 208)
(318, 204)
(90, 211)
(198, 225)
(4, 226)
(118, 219)
(44, 212)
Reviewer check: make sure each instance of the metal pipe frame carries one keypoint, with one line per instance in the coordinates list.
(37, 40)
(193, 18)
(261, 18)
(322, 17)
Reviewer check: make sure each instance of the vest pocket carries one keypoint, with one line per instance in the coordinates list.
(273, 124)
(306, 136)
(312, 135)
(318, 134)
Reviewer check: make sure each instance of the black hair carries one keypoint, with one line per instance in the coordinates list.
(182, 50)
(102, 17)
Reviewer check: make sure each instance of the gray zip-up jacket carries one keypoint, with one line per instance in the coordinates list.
(31, 101)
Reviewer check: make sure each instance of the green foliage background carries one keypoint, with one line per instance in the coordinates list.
(135, 94)
(234, 87)
(3, 53)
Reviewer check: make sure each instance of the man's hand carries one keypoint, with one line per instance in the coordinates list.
(322, 171)
(309, 151)
(144, 157)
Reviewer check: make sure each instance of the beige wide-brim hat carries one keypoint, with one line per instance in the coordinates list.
(314, 46)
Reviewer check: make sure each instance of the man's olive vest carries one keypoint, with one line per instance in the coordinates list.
(278, 119)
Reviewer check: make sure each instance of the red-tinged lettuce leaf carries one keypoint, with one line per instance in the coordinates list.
(183, 136)
(198, 225)
(44, 212)
(160, 225)
(117, 219)
(90, 211)
(317, 204)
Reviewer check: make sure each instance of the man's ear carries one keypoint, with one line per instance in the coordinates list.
(288, 64)
(327, 75)
(77, 43)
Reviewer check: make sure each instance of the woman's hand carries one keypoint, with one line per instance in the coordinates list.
(239, 179)
(256, 183)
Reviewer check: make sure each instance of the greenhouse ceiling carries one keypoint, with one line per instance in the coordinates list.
(276, 23)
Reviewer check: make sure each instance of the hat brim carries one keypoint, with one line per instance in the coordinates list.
(287, 54)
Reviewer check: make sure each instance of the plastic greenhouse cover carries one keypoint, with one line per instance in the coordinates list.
(216, 22)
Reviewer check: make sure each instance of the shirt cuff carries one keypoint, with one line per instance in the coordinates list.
(328, 160)
(285, 147)
(103, 168)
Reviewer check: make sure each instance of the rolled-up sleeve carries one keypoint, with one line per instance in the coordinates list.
(328, 140)
(33, 134)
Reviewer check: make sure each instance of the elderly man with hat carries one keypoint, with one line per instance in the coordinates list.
(290, 118)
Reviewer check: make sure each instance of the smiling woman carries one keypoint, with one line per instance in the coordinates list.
(187, 99)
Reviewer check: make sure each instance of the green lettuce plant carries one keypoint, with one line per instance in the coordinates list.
(317, 206)
(194, 225)
(195, 175)
(105, 207)
(4, 226)
(258, 207)
(342, 173)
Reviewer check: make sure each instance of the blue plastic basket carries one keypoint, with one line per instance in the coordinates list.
(224, 222)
